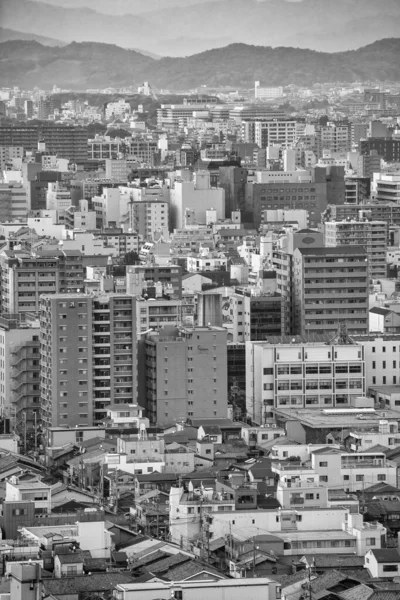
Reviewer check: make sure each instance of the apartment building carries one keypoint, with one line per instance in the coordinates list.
(156, 313)
(147, 217)
(19, 364)
(88, 356)
(385, 147)
(330, 287)
(61, 140)
(14, 201)
(143, 150)
(26, 276)
(296, 372)
(141, 279)
(185, 373)
(276, 132)
(335, 137)
(197, 196)
(372, 235)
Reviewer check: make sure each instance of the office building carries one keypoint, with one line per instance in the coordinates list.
(103, 147)
(61, 140)
(88, 356)
(45, 109)
(326, 187)
(375, 211)
(186, 373)
(233, 181)
(388, 148)
(256, 316)
(302, 372)
(388, 188)
(330, 288)
(117, 169)
(373, 235)
(8, 154)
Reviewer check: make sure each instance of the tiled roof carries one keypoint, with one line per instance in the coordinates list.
(85, 583)
(164, 565)
(190, 569)
(384, 555)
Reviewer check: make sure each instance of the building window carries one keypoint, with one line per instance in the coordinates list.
(323, 463)
(381, 477)
(390, 568)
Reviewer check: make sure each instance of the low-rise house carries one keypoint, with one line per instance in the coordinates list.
(66, 565)
(37, 491)
(383, 563)
(179, 459)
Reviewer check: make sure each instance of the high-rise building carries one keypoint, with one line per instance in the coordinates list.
(387, 148)
(373, 235)
(185, 373)
(25, 276)
(256, 316)
(233, 180)
(145, 280)
(61, 140)
(45, 108)
(88, 356)
(20, 368)
(335, 137)
(330, 287)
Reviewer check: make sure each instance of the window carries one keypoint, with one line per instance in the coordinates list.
(324, 478)
(374, 364)
(390, 568)
(381, 477)
(359, 477)
(323, 463)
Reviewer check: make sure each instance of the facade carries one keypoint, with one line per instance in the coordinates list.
(330, 287)
(233, 180)
(198, 196)
(387, 148)
(373, 235)
(186, 374)
(26, 276)
(256, 316)
(63, 141)
(156, 313)
(294, 372)
(88, 356)
(14, 201)
(388, 188)
(382, 355)
(148, 217)
(141, 278)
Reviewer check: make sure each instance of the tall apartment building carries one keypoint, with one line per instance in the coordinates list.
(20, 369)
(373, 235)
(87, 356)
(388, 188)
(256, 316)
(282, 259)
(381, 211)
(185, 373)
(296, 372)
(13, 201)
(148, 216)
(276, 132)
(330, 286)
(333, 136)
(368, 163)
(156, 313)
(8, 153)
(45, 109)
(117, 168)
(61, 140)
(26, 276)
(357, 190)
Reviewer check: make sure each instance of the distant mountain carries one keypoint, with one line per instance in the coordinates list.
(9, 34)
(182, 27)
(91, 65)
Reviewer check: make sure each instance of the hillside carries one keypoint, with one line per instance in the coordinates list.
(182, 27)
(10, 34)
(90, 65)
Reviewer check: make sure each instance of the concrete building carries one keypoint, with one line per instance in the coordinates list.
(373, 235)
(256, 316)
(13, 201)
(154, 281)
(80, 217)
(196, 195)
(296, 372)
(326, 187)
(88, 356)
(20, 373)
(233, 181)
(280, 132)
(330, 287)
(267, 93)
(26, 276)
(381, 359)
(388, 187)
(156, 313)
(333, 136)
(147, 217)
(117, 168)
(58, 199)
(118, 108)
(186, 373)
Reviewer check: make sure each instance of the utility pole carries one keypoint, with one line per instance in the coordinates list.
(35, 415)
(25, 432)
(254, 556)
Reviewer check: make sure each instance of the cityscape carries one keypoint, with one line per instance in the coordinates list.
(199, 300)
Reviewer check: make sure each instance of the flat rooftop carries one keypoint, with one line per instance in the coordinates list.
(315, 418)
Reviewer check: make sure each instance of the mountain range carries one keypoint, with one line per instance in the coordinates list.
(185, 27)
(80, 66)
